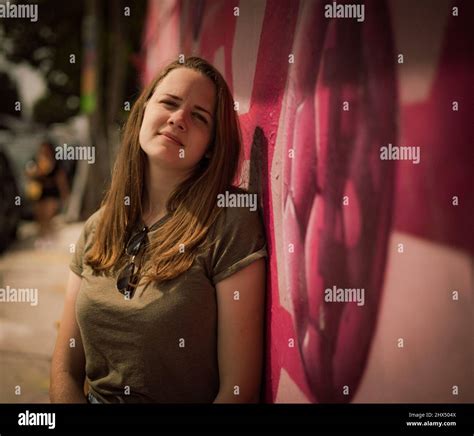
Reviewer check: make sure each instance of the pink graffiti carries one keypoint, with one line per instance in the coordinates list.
(335, 156)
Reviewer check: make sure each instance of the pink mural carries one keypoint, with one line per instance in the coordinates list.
(318, 98)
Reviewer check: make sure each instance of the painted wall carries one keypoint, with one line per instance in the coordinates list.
(318, 98)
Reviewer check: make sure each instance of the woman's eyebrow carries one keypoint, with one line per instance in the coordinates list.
(196, 106)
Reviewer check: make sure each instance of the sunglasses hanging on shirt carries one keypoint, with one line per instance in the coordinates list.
(128, 278)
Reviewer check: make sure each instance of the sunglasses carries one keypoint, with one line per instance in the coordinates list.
(128, 278)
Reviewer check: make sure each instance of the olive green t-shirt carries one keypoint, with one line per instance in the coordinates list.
(160, 345)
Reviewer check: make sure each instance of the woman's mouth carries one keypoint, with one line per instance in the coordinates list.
(170, 138)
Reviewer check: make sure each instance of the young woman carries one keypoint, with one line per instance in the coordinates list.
(165, 301)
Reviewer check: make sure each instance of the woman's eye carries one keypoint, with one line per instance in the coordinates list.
(197, 115)
(169, 103)
(201, 118)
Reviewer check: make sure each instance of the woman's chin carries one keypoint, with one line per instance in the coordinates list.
(166, 160)
(161, 150)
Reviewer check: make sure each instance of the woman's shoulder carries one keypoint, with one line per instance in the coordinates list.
(241, 208)
(90, 224)
(239, 234)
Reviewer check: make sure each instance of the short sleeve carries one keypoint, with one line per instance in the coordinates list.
(83, 243)
(240, 240)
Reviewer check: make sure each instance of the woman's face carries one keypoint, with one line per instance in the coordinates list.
(181, 106)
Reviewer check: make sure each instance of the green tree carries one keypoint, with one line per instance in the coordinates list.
(47, 46)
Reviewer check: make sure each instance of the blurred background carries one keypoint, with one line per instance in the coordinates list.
(318, 97)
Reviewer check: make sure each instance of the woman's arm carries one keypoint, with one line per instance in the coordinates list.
(68, 363)
(241, 310)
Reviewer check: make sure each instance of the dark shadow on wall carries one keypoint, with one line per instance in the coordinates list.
(258, 175)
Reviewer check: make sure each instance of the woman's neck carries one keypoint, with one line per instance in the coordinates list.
(160, 183)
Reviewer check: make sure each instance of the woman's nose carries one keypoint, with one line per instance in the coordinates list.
(177, 120)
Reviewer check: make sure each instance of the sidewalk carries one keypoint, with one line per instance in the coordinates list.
(28, 331)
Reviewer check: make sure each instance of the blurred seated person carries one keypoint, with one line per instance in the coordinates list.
(47, 186)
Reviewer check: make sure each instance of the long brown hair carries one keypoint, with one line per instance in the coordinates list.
(193, 204)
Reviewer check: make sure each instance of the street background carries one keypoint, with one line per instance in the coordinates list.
(318, 98)
(28, 333)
